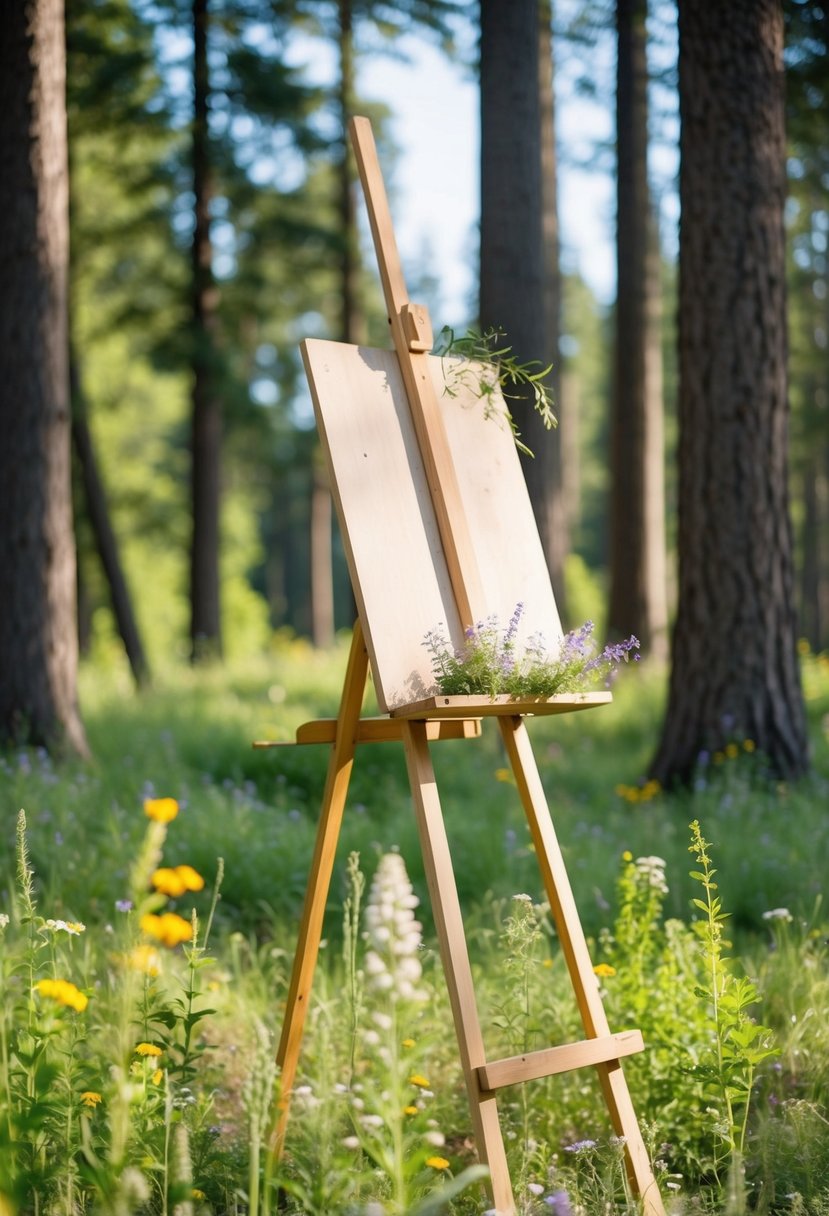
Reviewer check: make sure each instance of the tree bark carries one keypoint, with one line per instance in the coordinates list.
(514, 268)
(38, 637)
(638, 603)
(735, 672)
(206, 436)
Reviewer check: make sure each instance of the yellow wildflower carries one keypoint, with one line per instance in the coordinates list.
(168, 882)
(627, 855)
(90, 1098)
(409, 1110)
(547, 962)
(162, 810)
(147, 1049)
(191, 878)
(603, 970)
(749, 745)
(420, 1081)
(64, 993)
(157, 1076)
(175, 881)
(408, 1043)
(197, 1194)
(437, 1163)
(169, 928)
(732, 750)
(504, 774)
(146, 959)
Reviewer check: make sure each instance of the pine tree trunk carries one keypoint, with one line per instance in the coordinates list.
(38, 635)
(735, 674)
(637, 536)
(513, 267)
(206, 434)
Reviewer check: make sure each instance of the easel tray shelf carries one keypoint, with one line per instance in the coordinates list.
(500, 706)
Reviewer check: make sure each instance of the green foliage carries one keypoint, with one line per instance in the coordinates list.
(484, 364)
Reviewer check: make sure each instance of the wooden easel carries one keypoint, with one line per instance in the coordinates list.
(438, 529)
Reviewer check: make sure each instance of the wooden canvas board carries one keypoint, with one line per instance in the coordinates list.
(398, 571)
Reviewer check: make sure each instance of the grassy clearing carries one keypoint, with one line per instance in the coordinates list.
(189, 1127)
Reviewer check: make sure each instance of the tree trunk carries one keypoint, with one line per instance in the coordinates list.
(513, 265)
(105, 542)
(553, 444)
(38, 637)
(638, 603)
(735, 673)
(206, 438)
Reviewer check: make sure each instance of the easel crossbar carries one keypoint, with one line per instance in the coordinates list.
(553, 1060)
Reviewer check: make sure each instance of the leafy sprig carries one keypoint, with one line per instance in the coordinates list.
(485, 364)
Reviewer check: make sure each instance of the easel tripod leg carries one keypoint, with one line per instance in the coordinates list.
(455, 958)
(573, 944)
(319, 880)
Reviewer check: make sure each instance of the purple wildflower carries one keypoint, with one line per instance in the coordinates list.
(559, 1203)
(580, 1146)
(123, 905)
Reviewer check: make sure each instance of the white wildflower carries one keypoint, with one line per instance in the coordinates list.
(653, 870)
(4, 920)
(392, 934)
(779, 914)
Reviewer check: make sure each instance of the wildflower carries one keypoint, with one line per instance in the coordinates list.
(392, 933)
(749, 745)
(197, 1194)
(437, 1163)
(147, 1049)
(535, 1188)
(169, 928)
(580, 1146)
(175, 882)
(64, 993)
(4, 919)
(146, 959)
(627, 855)
(350, 1142)
(90, 1098)
(732, 751)
(779, 914)
(123, 905)
(652, 869)
(560, 1204)
(418, 1080)
(504, 775)
(73, 927)
(409, 1110)
(162, 810)
(435, 1138)
(604, 970)
(157, 1076)
(408, 1043)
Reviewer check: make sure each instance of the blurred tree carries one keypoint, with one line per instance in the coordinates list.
(38, 637)
(734, 668)
(638, 601)
(514, 296)
(807, 102)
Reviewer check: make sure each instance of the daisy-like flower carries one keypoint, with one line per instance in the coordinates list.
(437, 1163)
(604, 970)
(170, 929)
(73, 927)
(176, 880)
(162, 810)
(90, 1098)
(420, 1081)
(64, 993)
(147, 1049)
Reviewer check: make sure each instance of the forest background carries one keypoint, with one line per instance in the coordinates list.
(281, 238)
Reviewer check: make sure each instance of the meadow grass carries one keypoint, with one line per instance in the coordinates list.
(187, 1130)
